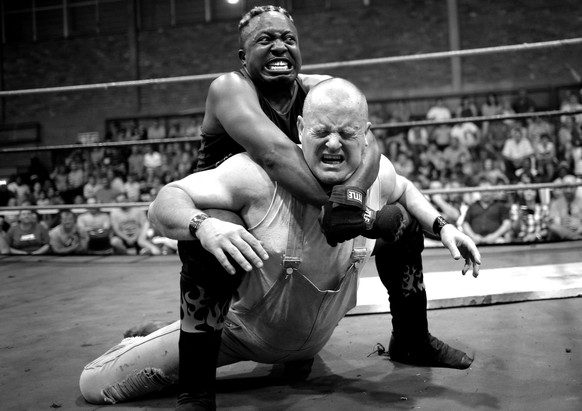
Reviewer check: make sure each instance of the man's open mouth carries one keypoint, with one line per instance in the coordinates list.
(332, 158)
(279, 65)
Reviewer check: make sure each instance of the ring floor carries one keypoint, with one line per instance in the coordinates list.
(521, 319)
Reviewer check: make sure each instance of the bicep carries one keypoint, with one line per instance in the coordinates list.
(225, 187)
(391, 187)
(236, 107)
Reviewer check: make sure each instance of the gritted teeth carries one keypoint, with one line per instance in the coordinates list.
(332, 158)
(279, 65)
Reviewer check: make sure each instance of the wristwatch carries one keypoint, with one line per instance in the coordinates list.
(438, 225)
(195, 223)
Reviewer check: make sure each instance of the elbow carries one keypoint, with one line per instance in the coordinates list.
(274, 159)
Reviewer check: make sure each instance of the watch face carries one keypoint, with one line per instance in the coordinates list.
(195, 223)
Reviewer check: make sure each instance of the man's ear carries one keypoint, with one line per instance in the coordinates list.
(300, 127)
(368, 126)
(242, 57)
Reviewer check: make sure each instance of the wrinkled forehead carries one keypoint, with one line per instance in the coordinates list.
(269, 20)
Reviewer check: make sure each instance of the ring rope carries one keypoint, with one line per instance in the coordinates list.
(478, 119)
(330, 65)
(460, 190)
(100, 145)
(497, 117)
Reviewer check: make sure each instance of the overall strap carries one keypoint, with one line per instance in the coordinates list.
(294, 252)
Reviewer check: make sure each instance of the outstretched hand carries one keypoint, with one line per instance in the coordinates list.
(224, 239)
(460, 245)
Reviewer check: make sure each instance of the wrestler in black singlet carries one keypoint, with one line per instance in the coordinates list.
(216, 148)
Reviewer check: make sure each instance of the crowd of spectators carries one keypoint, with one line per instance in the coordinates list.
(468, 154)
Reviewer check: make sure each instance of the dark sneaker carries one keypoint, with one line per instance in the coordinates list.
(432, 353)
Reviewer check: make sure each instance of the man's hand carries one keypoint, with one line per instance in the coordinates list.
(342, 217)
(460, 244)
(222, 239)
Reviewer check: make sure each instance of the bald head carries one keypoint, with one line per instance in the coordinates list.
(336, 93)
(333, 130)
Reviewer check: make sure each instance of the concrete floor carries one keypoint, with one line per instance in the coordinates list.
(57, 314)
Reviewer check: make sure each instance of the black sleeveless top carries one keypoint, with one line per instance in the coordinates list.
(216, 148)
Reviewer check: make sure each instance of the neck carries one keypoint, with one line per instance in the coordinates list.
(279, 97)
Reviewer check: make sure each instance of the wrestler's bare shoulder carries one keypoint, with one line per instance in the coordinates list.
(229, 83)
(310, 80)
(246, 176)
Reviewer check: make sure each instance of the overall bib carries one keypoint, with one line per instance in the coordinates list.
(294, 318)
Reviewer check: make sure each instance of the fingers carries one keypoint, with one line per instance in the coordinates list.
(461, 245)
(226, 240)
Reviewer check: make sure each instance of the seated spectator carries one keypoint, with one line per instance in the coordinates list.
(59, 178)
(75, 182)
(469, 137)
(67, 238)
(492, 171)
(20, 189)
(529, 218)
(487, 221)
(106, 194)
(425, 169)
(135, 161)
(493, 141)
(490, 107)
(567, 135)
(528, 168)
(132, 188)
(566, 213)
(454, 151)
(536, 127)
(417, 139)
(467, 108)
(523, 103)
(27, 236)
(545, 155)
(404, 165)
(439, 111)
(573, 104)
(127, 224)
(515, 150)
(441, 136)
(435, 156)
(97, 225)
(175, 130)
(156, 130)
(152, 161)
(91, 187)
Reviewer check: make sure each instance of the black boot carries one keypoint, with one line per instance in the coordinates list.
(431, 352)
(197, 370)
(399, 266)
